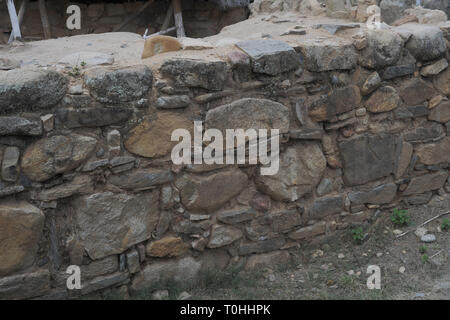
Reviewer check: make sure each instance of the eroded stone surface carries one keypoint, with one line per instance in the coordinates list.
(110, 223)
(301, 169)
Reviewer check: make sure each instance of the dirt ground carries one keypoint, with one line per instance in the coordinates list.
(336, 268)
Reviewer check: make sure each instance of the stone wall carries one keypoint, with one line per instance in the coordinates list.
(201, 18)
(87, 180)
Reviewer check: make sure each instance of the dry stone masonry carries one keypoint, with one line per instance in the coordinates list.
(87, 179)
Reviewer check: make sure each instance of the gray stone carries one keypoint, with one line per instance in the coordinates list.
(92, 117)
(326, 206)
(240, 115)
(325, 186)
(110, 223)
(236, 216)
(376, 55)
(372, 83)
(56, 154)
(20, 126)
(416, 91)
(435, 68)
(209, 75)
(100, 267)
(80, 185)
(10, 164)
(21, 227)
(428, 238)
(133, 261)
(29, 90)
(418, 199)
(261, 246)
(270, 56)
(327, 55)
(91, 166)
(104, 282)
(142, 179)
(10, 190)
(223, 235)
(398, 71)
(440, 113)
(382, 194)
(424, 134)
(119, 86)
(184, 270)
(391, 10)
(173, 102)
(306, 134)
(410, 112)
(367, 158)
(301, 168)
(426, 182)
(285, 221)
(426, 43)
(25, 286)
(209, 193)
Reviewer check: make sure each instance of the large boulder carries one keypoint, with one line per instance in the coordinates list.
(209, 75)
(209, 193)
(110, 223)
(30, 90)
(56, 154)
(426, 42)
(118, 86)
(301, 169)
(270, 56)
(327, 55)
(383, 49)
(21, 226)
(367, 158)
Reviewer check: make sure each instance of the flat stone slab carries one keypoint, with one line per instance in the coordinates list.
(270, 56)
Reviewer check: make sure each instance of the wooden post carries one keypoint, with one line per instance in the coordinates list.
(22, 9)
(14, 20)
(44, 19)
(177, 14)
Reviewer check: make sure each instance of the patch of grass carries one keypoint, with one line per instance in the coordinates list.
(75, 72)
(400, 217)
(425, 258)
(423, 249)
(445, 224)
(358, 235)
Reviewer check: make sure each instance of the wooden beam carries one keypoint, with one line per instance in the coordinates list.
(14, 20)
(133, 16)
(178, 16)
(168, 18)
(22, 9)
(44, 19)
(162, 32)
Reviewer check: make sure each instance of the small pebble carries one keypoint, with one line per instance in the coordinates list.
(427, 238)
(402, 269)
(341, 256)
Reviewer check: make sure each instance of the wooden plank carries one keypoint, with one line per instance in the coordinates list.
(14, 20)
(178, 16)
(162, 32)
(168, 18)
(133, 16)
(22, 9)
(44, 19)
